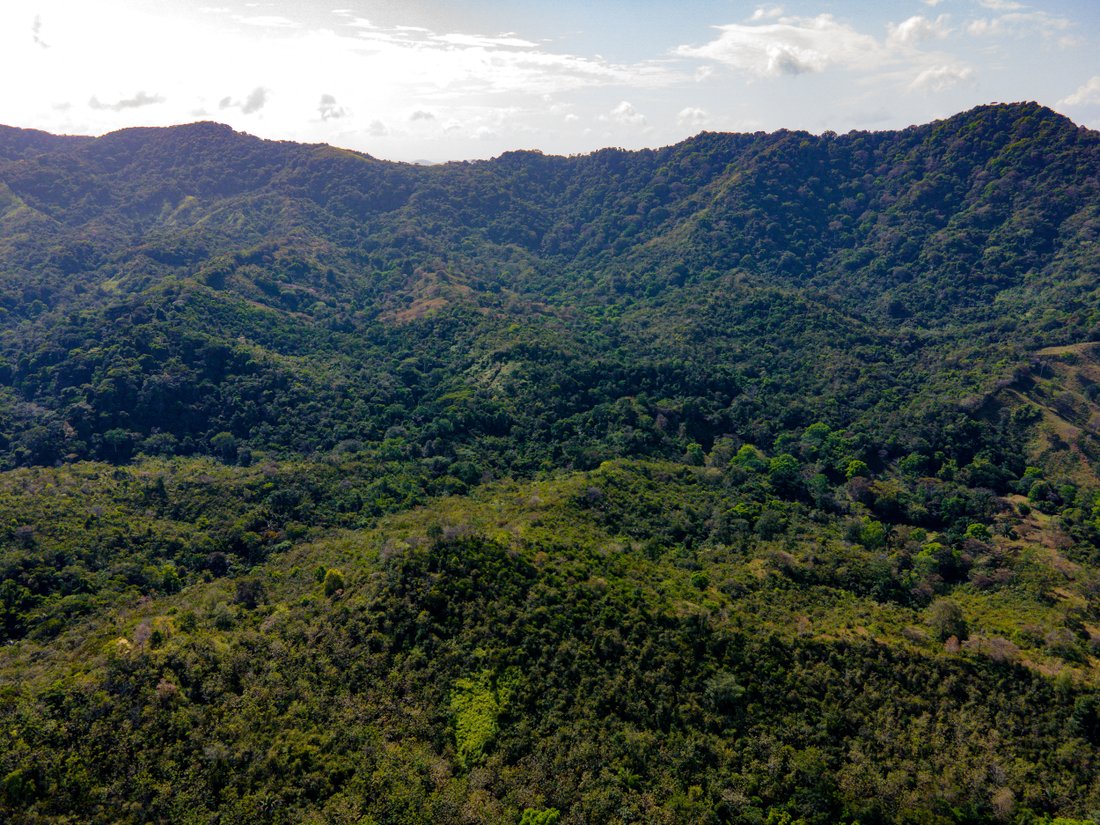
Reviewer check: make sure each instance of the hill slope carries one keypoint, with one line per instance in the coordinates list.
(752, 479)
(150, 260)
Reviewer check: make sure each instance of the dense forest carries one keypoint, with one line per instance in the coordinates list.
(754, 479)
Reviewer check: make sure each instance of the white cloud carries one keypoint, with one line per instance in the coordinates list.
(795, 45)
(270, 21)
(790, 46)
(452, 64)
(1019, 24)
(463, 78)
(36, 32)
(626, 114)
(140, 99)
(329, 109)
(1001, 5)
(767, 13)
(375, 75)
(1086, 95)
(692, 116)
(477, 40)
(940, 78)
(255, 101)
(918, 29)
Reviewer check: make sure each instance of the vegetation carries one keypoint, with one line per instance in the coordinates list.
(753, 479)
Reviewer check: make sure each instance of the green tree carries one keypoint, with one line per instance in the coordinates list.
(856, 469)
(947, 620)
(785, 474)
(750, 458)
(224, 446)
(977, 531)
(334, 581)
(250, 592)
(540, 816)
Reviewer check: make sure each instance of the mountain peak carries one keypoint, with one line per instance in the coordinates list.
(207, 130)
(1018, 112)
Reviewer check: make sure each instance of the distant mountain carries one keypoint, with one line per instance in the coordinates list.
(834, 261)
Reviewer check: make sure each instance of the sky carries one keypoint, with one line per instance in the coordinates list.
(423, 80)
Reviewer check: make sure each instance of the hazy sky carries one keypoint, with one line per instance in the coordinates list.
(422, 79)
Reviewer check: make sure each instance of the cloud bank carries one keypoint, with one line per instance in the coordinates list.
(417, 87)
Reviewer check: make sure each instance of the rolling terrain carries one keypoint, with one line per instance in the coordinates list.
(752, 479)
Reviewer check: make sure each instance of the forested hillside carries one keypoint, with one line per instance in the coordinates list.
(751, 479)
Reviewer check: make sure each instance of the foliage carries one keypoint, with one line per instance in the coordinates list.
(752, 479)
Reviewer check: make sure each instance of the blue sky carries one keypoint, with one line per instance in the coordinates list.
(426, 80)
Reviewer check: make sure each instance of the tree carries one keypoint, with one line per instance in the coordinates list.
(694, 455)
(224, 446)
(250, 592)
(334, 581)
(749, 458)
(856, 469)
(1085, 721)
(947, 620)
(170, 581)
(118, 445)
(785, 474)
(977, 531)
(535, 816)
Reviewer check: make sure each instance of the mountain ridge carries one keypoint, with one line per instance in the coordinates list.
(368, 239)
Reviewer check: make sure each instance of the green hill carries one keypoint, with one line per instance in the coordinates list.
(751, 479)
